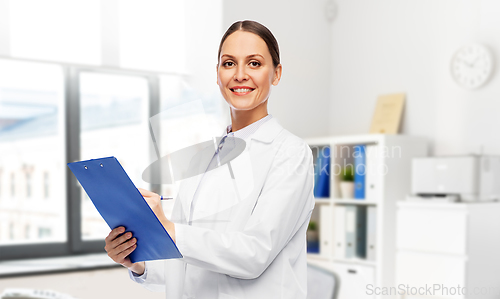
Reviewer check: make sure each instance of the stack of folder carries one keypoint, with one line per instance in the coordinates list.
(355, 232)
(354, 225)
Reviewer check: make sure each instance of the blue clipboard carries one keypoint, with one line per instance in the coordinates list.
(121, 204)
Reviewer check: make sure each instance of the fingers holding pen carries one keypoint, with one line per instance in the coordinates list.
(147, 193)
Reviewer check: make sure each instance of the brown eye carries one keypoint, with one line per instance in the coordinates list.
(255, 63)
(228, 64)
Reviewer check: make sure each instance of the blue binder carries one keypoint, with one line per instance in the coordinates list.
(322, 174)
(359, 171)
(121, 204)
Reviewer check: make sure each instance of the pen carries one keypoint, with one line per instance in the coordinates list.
(165, 198)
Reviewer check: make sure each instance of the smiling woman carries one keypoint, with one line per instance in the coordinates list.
(241, 226)
(249, 65)
(245, 74)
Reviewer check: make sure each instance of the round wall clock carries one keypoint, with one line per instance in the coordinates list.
(472, 66)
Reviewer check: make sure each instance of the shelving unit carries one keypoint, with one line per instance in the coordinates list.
(393, 153)
(345, 201)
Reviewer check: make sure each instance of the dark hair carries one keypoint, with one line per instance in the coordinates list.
(258, 29)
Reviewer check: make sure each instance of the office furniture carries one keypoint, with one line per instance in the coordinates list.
(391, 154)
(321, 283)
(451, 248)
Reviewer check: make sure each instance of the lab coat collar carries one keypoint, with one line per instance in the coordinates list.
(246, 132)
(268, 131)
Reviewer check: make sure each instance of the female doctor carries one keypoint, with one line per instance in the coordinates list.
(240, 227)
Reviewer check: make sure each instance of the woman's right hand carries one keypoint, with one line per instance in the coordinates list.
(119, 245)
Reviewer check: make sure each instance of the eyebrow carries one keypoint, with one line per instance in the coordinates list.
(249, 56)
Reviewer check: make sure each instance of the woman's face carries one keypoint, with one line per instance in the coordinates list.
(245, 71)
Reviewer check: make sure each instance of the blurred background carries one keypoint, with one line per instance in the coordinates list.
(80, 80)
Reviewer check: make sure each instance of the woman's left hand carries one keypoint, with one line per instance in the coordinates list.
(154, 202)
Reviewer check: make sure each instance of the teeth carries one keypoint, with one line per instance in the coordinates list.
(242, 90)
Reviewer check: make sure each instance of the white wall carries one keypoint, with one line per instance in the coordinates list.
(300, 102)
(386, 46)
(202, 42)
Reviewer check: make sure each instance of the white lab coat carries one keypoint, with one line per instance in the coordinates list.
(248, 235)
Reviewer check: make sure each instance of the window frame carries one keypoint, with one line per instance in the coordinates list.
(74, 245)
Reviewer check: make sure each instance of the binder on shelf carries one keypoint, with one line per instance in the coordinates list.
(325, 230)
(372, 172)
(355, 231)
(322, 174)
(312, 241)
(339, 232)
(361, 232)
(359, 155)
(316, 173)
(371, 233)
(350, 231)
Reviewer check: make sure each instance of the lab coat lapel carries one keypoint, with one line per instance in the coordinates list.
(202, 164)
(268, 131)
(266, 134)
(261, 152)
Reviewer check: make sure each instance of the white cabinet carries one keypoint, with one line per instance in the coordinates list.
(355, 280)
(428, 230)
(419, 271)
(448, 250)
(391, 155)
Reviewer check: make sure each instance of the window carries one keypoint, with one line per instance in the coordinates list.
(12, 185)
(66, 31)
(151, 34)
(32, 140)
(27, 230)
(155, 27)
(67, 108)
(44, 232)
(46, 185)
(28, 185)
(114, 121)
(11, 231)
(113, 114)
(178, 119)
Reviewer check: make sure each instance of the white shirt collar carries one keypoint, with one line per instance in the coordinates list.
(247, 131)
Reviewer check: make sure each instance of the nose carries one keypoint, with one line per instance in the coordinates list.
(241, 74)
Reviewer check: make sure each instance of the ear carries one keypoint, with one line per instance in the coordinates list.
(277, 74)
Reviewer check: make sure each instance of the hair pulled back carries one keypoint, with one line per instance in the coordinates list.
(258, 29)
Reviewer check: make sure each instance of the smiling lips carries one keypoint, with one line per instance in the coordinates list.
(241, 90)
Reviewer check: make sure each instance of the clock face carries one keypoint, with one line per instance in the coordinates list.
(472, 66)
